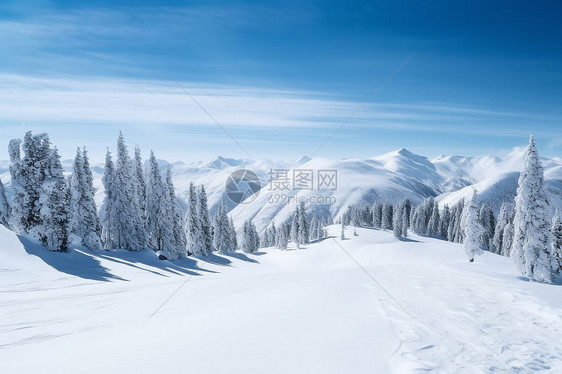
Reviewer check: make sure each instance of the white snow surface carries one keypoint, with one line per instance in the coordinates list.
(390, 306)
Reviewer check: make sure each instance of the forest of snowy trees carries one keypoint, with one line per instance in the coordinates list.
(140, 210)
(522, 230)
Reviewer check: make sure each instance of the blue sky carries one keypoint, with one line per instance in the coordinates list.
(280, 77)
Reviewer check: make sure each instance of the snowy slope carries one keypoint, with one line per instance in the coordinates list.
(313, 310)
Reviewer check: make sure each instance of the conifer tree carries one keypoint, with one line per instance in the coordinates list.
(159, 213)
(177, 216)
(84, 223)
(503, 219)
(108, 231)
(5, 209)
(193, 226)
(140, 184)
(127, 214)
(387, 216)
(489, 224)
(531, 249)
(54, 216)
(233, 236)
(221, 234)
(204, 221)
(473, 229)
(557, 237)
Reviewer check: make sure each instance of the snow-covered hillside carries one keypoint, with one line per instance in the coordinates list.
(389, 177)
(313, 310)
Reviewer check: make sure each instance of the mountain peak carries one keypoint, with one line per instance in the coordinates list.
(404, 152)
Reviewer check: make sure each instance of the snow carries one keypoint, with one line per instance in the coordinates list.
(298, 311)
(389, 177)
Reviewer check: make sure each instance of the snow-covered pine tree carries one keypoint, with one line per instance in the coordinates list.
(19, 179)
(108, 229)
(445, 221)
(221, 234)
(282, 236)
(36, 150)
(397, 220)
(127, 214)
(507, 241)
(303, 227)
(139, 179)
(295, 227)
(232, 235)
(177, 216)
(557, 237)
(159, 212)
(531, 250)
(250, 239)
(313, 228)
(434, 221)
(489, 224)
(28, 174)
(405, 219)
(5, 209)
(472, 227)
(54, 198)
(377, 215)
(84, 223)
(193, 226)
(204, 221)
(503, 219)
(342, 237)
(458, 232)
(387, 216)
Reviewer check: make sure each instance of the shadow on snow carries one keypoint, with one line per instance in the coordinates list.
(72, 262)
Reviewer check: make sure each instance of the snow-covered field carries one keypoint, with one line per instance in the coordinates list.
(313, 310)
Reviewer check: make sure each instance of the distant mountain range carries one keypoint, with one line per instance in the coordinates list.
(388, 177)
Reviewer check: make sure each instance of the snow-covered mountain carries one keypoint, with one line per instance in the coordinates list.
(388, 177)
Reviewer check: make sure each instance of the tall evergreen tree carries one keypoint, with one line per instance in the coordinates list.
(127, 214)
(221, 235)
(557, 237)
(433, 225)
(489, 224)
(204, 221)
(176, 215)
(193, 226)
(387, 216)
(473, 229)
(250, 238)
(108, 229)
(233, 236)
(303, 227)
(140, 182)
(503, 219)
(5, 209)
(377, 215)
(159, 212)
(54, 215)
(397, 220)
(531, 250)
(507, 241)
(84, 223)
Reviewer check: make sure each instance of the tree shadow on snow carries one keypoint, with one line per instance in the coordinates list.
(408, 240)
(214, 259)
(182, 266)
(72, 262)
(241, 256)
